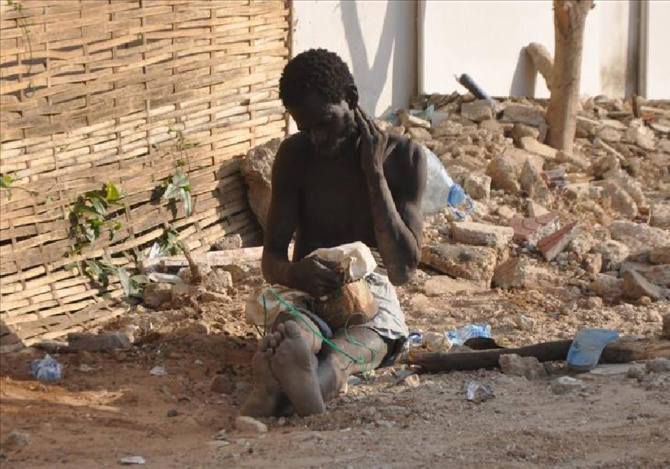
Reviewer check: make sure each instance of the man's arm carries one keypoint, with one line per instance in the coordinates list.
(282, 218)
(397, 217)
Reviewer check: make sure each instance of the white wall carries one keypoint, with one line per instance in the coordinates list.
(377, 39)
(657, 60)
(486, 38)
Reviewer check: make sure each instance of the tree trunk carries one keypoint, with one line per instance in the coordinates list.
(569, 21)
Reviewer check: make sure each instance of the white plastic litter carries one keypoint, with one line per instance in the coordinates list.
(356, 257)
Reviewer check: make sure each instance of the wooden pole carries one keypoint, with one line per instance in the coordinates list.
(569, 23)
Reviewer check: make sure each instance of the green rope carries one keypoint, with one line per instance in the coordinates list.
(301, 316)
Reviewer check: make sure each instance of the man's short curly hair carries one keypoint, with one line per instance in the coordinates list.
(316, 69)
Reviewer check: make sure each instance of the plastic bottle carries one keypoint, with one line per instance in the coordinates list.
(442, 191)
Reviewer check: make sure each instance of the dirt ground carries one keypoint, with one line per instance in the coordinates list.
(110, 406)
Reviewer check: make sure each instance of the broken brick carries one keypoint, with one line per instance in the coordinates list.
(531, 230)
(552, 245)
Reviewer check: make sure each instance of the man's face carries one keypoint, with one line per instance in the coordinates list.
(328, 125)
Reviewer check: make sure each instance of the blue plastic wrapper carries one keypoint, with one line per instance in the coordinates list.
(471, 331)
(415, 339)
(46, 369)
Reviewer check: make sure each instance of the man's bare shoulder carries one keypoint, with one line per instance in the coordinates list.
(293, 149)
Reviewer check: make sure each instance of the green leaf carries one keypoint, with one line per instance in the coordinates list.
(186, 198)
(99, 204)
(124, 278)
(114, 192)
(180, 179)
(172, 192)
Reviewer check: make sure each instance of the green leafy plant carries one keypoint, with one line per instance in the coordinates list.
(89, 216)
(6, 183)
(178, 187)
(101, 270)
(170, 243)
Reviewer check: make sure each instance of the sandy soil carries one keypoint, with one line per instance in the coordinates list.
(109, 405)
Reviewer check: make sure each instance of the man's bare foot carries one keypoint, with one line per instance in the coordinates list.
(294, 365)
(265, 394)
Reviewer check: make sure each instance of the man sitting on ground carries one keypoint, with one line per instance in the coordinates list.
(340, 179)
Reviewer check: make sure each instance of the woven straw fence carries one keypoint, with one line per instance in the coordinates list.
(94, 91)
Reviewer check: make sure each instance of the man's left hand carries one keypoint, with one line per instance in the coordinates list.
(372, 145)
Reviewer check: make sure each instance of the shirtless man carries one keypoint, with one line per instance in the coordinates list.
(340, 179)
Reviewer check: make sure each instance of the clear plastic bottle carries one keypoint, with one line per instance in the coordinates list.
(442, 191)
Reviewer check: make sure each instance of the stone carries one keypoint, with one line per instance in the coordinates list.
(658, 365)
(609, 134)
(630, 185)
(218, 281)
(531, 230)
(613, 254)
(477, 186)
(519, 131)
(408, 121)
(156, 294)
(656, 274)
(532, 145)
(642, 136)
(582, 243)
(447, 128)
(587, 127)
(413, 381)
(506, 213)
(528, 367)
(477, 111)
(520, 272)
(419, 133)
(213, 297)
(503, 175)
(461, 261)
(533, 209)
(524, 323)
(103, 342)
(552, 245)
(15, 440)
(532, 183)
(606, 286)
(257, 171)
(636, 286)
(593, 263)
(492, 125)
(608, 164)
(636, 372)
(250, 425)
(443, 285)
(567, 385)
(524, 114)
(480, 234)
(660, 215)
(619, 200)
(575, 160)
(665, 334)
(228, 242)
(660, 255)
(639, 237)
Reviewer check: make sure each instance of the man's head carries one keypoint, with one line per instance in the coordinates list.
(318, 91)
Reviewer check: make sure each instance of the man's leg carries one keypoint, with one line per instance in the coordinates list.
(266, 398)
(362, 343)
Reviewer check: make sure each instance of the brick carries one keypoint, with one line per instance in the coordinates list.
(552, 245)
(531, 230)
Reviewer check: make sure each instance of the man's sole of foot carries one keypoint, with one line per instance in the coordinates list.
(264, 399)
(294, 365)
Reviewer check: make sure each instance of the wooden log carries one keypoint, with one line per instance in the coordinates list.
(621, 351)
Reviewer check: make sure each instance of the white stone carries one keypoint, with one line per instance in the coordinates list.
(250, 425)
(477, 111)
(658, 365)
(480, 234)
(532, 145)
(477, 186)
(525, 114)
(639, 237)
(566, 384)
(528, 367)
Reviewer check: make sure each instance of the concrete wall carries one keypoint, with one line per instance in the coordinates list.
(377, 38)
(486, 38)
(656, 50)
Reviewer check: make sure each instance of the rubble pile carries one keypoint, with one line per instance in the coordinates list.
(597, 218)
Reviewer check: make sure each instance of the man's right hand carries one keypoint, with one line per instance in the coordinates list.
(313, 277)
